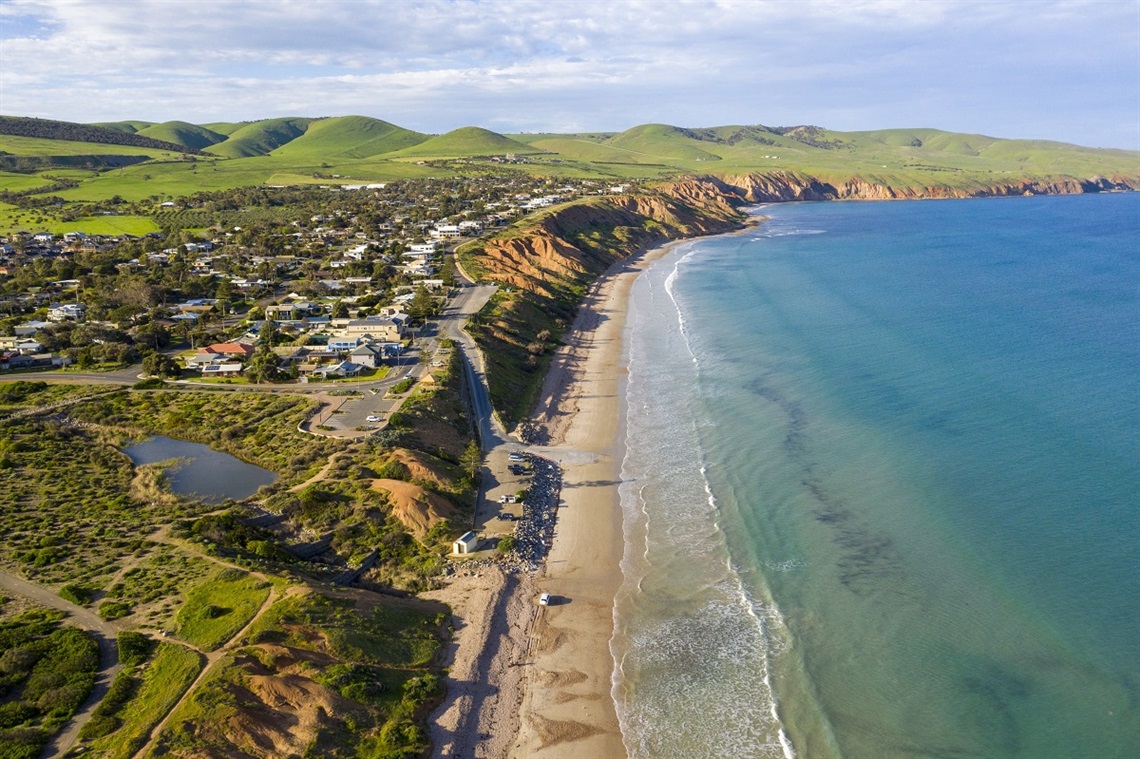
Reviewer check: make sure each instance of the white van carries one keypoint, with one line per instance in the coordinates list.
(544, 599)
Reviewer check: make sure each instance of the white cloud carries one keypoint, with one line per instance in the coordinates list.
(596, 64)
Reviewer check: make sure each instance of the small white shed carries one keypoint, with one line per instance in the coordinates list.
(466, 543)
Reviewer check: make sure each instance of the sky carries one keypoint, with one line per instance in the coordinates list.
(1065, 70)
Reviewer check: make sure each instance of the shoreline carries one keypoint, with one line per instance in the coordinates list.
(527, 680)
(568, 708)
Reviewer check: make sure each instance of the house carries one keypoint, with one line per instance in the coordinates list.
(367, 355)
(27, 329)
(385, 328)
(284, 312)
(232, 350)
(66, 312)
(446, 231)
(222, 369)
(468, 542)
(343, 369)
(343, 343)
(203, 357)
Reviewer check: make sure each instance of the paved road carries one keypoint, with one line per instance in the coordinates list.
(468, 303)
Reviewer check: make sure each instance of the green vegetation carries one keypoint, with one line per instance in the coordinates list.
(108, 534)
(139, 698)
(260, 137)
(257, 427)
(467, 141)
(218, 607)
(292, 151)
(371, 657)
(46, 671)
(349, 137)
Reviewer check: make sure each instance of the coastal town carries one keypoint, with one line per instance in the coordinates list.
(339, 289)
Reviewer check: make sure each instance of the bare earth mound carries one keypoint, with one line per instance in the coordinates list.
(417, 509)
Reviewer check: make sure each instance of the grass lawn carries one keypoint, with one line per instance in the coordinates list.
(220, 606)
(105, 225)
(165, 679)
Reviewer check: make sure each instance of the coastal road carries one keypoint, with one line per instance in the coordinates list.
(451, 322)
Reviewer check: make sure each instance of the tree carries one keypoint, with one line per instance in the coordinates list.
(422, 304)
(340, 310)
(268, 333)
(471, 459)
(160, 365)
(263, 366)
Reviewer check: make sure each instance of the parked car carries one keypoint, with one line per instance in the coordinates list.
(544, 599)
(516, 456)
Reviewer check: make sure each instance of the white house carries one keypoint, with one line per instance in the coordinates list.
(446, 231)
(66, 312)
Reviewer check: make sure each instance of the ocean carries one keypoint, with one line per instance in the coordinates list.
(882, 485)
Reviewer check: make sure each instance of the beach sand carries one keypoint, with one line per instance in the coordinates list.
(533, 681)
(567, 708)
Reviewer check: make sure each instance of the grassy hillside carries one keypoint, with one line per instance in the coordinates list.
(466, 142)
(351, 137)
(916, 162)
(182, 133)
(224, 127)
(260, 137)
(130, 127)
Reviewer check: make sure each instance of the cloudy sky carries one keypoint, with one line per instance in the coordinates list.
(1057, 69)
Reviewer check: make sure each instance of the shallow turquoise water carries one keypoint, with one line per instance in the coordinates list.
(882, 485)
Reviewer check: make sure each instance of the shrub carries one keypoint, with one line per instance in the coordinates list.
(134, 648)
(114, 610)
(77, 594)
(394, 470)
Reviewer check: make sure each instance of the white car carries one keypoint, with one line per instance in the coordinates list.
(371, 418)
(516, 456)
(544, 599)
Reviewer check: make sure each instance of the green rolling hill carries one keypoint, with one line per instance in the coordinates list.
(466, 142)
(260, 137)
(225, 127)
(182, 133)
(130, 127)
(349, 137)
(138, 159)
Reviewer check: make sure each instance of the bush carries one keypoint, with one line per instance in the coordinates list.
(394, 470)
(134, 648)
(114, 610)
(77, 594)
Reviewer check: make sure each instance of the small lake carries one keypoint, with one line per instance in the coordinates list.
(208, 475)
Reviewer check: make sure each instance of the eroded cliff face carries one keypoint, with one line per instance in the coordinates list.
(574, 244)
(786, 186)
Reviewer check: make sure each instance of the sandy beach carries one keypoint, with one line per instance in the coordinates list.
(567, 709)
(533, 681)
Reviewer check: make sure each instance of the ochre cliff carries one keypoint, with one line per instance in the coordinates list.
(568, 247)
(785, 186)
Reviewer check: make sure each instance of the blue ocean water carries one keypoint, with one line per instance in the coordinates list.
(882, 485)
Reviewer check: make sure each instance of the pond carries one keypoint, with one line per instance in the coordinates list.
(207, 475)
